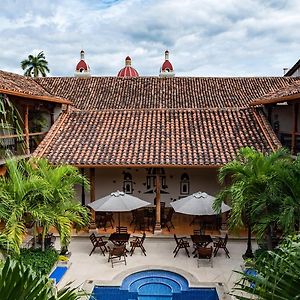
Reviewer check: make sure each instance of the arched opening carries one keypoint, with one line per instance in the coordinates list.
(127, 183)
(184, 184)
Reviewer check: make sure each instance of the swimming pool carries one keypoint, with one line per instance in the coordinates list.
(58, 273)
(154, 285)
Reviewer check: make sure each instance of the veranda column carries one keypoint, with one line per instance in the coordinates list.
(26, 130)
(92, 196)
(294, 128)
(82, 189)
(157, 228)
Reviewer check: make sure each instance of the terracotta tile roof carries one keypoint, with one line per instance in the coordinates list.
(165, 137)
(287, 93)
(153, 92)
(18, 85)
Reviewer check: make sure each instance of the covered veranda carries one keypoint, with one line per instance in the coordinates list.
(159, 186)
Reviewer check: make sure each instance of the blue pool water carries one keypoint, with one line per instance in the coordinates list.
(154, 285)
(58, 273)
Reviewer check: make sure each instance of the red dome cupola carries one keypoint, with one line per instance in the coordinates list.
(128, 70)
(82, 68)
(166, 69)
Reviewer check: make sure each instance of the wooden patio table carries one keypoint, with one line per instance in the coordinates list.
(201, 240)
(119, 238)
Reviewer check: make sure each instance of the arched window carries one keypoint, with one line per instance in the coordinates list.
(127, 183)
(184, 184)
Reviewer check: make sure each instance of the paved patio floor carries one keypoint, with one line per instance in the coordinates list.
(159, 255)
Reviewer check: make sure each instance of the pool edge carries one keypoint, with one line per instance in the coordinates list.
(193, 282)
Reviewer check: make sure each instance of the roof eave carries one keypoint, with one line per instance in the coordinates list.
(37, 97)
(88, 166)
(294, 97)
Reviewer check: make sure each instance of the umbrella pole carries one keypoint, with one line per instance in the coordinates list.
(119, 219)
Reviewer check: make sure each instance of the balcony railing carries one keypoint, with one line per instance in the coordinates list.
(17, 145)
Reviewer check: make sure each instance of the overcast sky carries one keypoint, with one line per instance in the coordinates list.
(204, 37)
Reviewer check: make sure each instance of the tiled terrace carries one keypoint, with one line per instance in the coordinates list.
(159, 255)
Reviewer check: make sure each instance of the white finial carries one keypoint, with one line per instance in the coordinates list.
(82, 55)
(128, 61)
(166, 55)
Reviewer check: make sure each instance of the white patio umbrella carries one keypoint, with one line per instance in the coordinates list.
(198, 204)
(118, 202)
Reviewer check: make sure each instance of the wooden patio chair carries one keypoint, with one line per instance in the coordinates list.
(167, 220)
(98, 242)
(141, 221)
(117, 253)
(181, 243)
(138, 243)
(221, 244)
(204, 253)
(48, 241)
(200, 231)
(121, 229)
(133, 213)
(103, 219)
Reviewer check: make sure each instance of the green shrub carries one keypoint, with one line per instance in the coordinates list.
(39, 261)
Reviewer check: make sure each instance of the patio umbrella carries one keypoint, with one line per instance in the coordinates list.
(118, 202)
(198, 204)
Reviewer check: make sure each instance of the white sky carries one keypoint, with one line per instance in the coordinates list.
(204, 37)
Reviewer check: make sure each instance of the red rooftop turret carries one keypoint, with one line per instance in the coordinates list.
(82, 68)
(166, 69)
(128, 70)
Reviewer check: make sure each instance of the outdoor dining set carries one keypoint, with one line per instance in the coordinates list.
(198, 204)
(203, 244)
(117, 252)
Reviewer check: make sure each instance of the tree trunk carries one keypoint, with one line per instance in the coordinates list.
(248, 253)
(35, 233)
(43, 239)
(269, 238)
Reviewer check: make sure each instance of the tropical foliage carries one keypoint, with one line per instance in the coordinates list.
(277, 275)
(18, 281)
(39, 261)
(263, 191)
(35, 65)
(37, 192)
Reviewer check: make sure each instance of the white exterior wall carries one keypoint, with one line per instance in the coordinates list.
(111, 179)
(285, 117)
(57, 112)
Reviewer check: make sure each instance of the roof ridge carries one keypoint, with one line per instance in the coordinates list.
(160, 109)
(164, 78)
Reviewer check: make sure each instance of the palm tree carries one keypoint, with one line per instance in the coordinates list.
(34, 190)
(17, 189)
(253, 191)
(289, 219)
(35, 65)
(278, 275)
(18, 281)
(59, 208)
